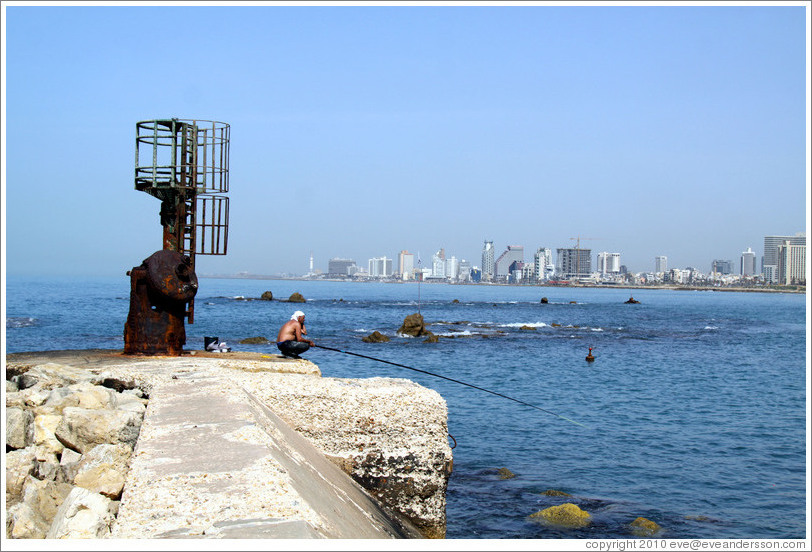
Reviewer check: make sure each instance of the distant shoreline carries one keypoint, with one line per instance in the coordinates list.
(796, 290)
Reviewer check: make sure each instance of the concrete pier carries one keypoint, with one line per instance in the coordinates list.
(216, 457)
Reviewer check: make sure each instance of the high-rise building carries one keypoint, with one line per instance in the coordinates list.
(660, 264)
(452, 268)
(748, 263)
(380, 267)
(406, 265)
(573, 263)
(487, 261)
(512, 254)
(770, 257)
(608, 263)
(341, 267)
(465, 271)
(543, 266)
(721, 266)
(791, 263)
(438, 264)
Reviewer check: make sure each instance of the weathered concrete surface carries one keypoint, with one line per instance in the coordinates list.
(212, 462)
(214, 459)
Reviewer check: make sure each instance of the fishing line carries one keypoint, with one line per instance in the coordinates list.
(451, 379)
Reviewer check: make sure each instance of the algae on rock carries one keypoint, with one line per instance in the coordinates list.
(566, 515)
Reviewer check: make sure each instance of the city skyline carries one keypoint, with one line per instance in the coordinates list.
(659, 263)
(357, 131)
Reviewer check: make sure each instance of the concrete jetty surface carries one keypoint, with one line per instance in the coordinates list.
(216, 459)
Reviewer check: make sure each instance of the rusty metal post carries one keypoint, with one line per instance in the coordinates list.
(159, 290)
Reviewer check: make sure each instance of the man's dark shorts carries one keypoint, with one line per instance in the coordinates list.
(292, 348)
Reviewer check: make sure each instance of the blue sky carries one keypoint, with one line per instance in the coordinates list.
(358, 131)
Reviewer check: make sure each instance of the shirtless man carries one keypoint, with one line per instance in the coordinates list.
(290, 341)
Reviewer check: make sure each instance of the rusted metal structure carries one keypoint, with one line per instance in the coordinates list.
(183, 163)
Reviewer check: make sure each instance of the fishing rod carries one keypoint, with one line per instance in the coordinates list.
(451, 379)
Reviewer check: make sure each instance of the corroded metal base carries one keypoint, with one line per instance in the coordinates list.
(160, 290)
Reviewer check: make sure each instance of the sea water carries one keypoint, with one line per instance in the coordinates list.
(693, 413)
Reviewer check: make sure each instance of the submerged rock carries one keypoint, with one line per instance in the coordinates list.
(505, 473)
(643, 527)
(430, 337)
(259, 340)
(267, 296)
(565, 515)
(296, 298)
(527, 328)
(544, 300)
(455, 301)
(553, 492)
(375, 337)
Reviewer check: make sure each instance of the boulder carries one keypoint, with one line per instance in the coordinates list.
(642, 527)
(25, 381)
(47, 463)
(81, 429)
(505, 473)
(15, 399)
(69, 464)
(375, 337)
(23, 522)
(566, 515)
(45, 432)
(104, 469)
(553, 492)
(455, 301)
(413, 325)
(51, 375)
(11, 386)
(45, 497)
(267, 296)
(296, 298)
(544, 301)
(430, 337)
(19, 465)
(19, 428)
(259, 340)
(82, 515)
(130, 402)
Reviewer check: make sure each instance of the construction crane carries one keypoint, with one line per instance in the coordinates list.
(579, 261)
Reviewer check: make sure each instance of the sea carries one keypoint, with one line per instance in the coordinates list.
(693, 414)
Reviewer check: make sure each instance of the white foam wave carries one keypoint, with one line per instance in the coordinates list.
(20, 321)
(711, 327)
(520, 324)
(457, 334)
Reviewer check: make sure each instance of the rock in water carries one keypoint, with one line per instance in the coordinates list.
(375, 337)
(267, 296)
(505, 473)
(553, 492)
(544, 300)
(259, 340)
(643, 527)
(565, 515)
(296, 298)
(413, 325)
(430, 337)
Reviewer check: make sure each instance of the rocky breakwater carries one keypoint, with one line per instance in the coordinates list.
(70, 435)
(390, 435)
(216, 454)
